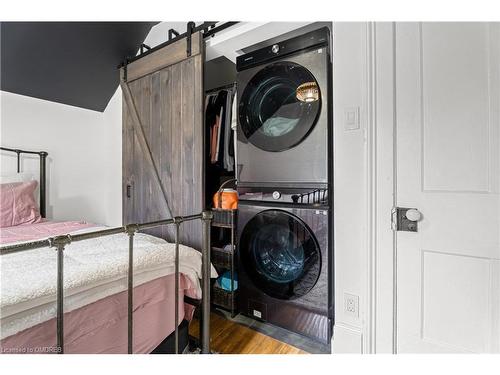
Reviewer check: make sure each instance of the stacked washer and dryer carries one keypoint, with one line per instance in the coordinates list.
(284, 171)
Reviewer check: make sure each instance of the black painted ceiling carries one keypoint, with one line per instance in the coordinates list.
(72, 63)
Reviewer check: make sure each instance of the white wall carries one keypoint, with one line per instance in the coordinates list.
(350, 88)
(112, 164)
(84, 162)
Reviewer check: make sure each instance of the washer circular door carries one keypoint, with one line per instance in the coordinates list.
(279, 106)
(280, 254)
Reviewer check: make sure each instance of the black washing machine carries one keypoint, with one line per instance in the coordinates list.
(284, 115)
(285, 264)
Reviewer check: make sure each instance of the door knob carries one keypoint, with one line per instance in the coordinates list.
(413, 214)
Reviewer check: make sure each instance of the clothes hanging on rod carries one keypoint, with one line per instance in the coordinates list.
(228, 133)
(219, 117)
(234, 125)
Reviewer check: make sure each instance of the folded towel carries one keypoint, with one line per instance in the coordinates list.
(224, 281)
(227, 247)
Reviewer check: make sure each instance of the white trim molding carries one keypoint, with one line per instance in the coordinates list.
(370, 326)
(380, 331)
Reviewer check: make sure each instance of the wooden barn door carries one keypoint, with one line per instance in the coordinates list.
(163, 138)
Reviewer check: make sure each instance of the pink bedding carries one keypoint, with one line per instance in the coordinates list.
(44, 229)
(17, 204)
(101, 327)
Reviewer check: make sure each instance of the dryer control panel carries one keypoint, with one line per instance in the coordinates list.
(313, 39)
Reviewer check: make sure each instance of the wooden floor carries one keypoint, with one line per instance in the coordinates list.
(232, 338)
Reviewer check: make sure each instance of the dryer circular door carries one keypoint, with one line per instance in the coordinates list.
(280, 254)
(279, 106)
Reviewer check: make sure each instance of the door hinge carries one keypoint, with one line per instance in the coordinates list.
(400, 221)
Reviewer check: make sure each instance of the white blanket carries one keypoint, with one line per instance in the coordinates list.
(93, 269)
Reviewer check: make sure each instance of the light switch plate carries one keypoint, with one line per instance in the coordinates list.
(351, 118)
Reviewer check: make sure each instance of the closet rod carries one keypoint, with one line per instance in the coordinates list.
(220, 88)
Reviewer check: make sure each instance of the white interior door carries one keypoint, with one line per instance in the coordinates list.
(447, 137)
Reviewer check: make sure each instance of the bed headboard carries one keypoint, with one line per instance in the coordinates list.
(42, 181)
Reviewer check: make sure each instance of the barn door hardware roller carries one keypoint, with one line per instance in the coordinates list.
(189, 32)
(144, 47)
(405, 219)
(208, 29)
(124, 65)
(172, 33)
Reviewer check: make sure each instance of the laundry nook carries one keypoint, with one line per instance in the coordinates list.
(244, 187)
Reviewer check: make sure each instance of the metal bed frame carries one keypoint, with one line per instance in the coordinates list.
(60, 243)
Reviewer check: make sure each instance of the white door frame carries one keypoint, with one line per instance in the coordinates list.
(381, 289)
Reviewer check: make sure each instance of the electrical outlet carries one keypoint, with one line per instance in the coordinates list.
(351, 305)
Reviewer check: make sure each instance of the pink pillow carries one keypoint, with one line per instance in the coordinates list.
(17, 204)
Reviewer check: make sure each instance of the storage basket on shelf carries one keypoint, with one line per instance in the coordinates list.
(225, 205)
(223, 257)
(223, 298)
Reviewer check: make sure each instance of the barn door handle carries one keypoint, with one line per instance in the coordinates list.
(129, 190)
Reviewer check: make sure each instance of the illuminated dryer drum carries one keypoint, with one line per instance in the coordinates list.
(283, 112)
(284, 272)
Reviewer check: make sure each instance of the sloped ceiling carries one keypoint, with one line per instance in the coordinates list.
(72, 63)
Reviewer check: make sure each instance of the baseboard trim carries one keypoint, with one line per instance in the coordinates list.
(347, 339)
